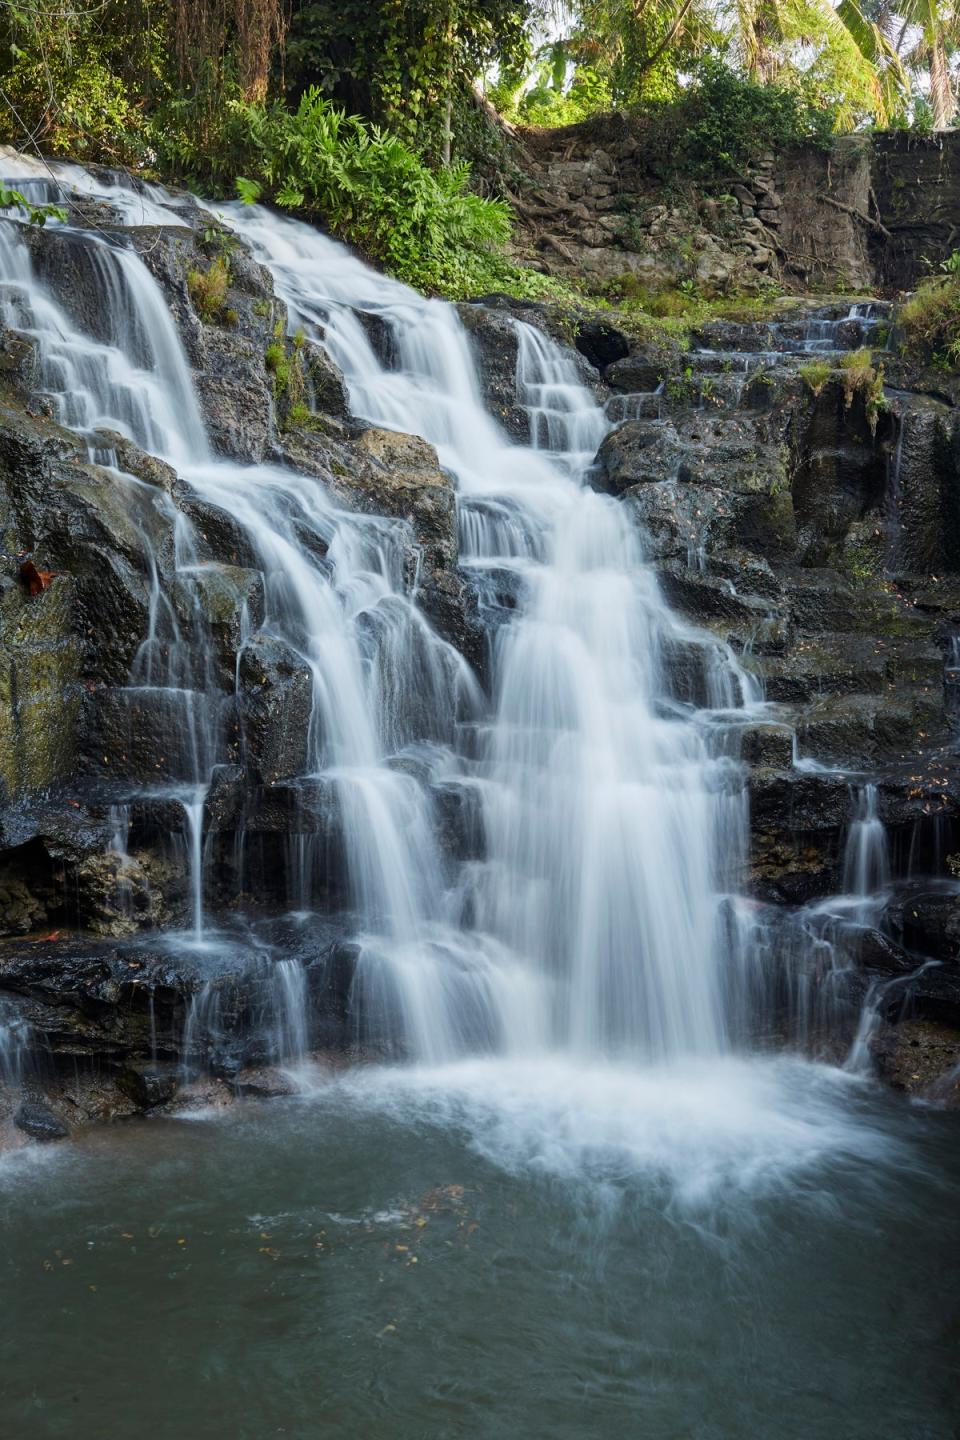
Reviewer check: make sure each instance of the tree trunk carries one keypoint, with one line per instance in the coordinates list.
(943, 98)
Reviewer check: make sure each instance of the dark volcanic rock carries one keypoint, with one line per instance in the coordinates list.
(276, 704)
(150, 1086)
(36, 1119)
(639, 372)
(601, 343)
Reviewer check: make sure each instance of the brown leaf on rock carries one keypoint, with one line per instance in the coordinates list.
(33, 580)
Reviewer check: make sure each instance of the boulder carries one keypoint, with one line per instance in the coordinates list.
(601, 343)
(36, 1119)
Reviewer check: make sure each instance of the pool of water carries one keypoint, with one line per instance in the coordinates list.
(740, 1251)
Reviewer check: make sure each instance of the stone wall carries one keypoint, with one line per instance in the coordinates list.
(865, 214)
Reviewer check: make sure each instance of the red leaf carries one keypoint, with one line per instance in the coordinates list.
(35, 581)
(54, 935)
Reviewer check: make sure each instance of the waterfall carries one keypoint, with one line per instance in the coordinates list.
(593, 919)
(866, 866)
(596, 905)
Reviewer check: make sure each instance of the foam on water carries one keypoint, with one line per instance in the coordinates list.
(707, 1136)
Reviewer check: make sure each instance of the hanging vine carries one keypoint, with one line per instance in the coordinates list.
(246, 33)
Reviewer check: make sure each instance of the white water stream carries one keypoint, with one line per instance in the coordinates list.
(596, 922)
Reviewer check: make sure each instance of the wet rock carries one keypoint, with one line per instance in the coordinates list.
(219, 536)
(767, 745)
(235, 395)
(37, 1120)
(99, 999)
(227, 601)
(91, 530)
(680, 521)
(131, 458)
(708, 598)
(863, 731)
(276, 707)
(150, 1086)
(493, 337)
(798, 822)
(921, 1058)
(325, 382)
(928, 922)
(114, 895)
(147, 734)
(401, 475)
(262, 1083)
(640, 372)
(601, 343)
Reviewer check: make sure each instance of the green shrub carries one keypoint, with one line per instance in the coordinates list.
(722, 122)
(930, 320)
(373, 191)
(208, 291)
(815, 374)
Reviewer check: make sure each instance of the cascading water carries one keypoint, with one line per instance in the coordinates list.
(594, 913)
(596, 917)
(866, 866)
(661, 1211)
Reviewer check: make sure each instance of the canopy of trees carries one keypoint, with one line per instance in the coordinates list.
(111, 76)
(368, 115)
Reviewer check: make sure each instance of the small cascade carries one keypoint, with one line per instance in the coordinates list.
(16, 1047)
(951, 672)
(131, 377)
(205, 1029)
(290, 1031)
(564, 419)
(119, 820)
(883, 999)
(866, 864)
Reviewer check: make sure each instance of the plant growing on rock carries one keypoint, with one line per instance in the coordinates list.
(859, 377)
(208, 291)
(815, 374)
(930, 320)
(288, 369)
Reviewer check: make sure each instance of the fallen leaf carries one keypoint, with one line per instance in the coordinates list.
(33, 580)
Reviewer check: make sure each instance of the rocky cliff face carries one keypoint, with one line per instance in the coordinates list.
(812, 531)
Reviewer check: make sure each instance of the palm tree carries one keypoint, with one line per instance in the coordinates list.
(931, 28)
(856, 52)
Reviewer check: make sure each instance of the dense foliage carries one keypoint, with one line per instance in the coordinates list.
(717, 125)
(404, 64)
(422, 225)
(366, 116)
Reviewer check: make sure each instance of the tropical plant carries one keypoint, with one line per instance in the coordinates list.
(370, 188)
(929, 35)
(35, 214)
(847, 57)
(929, 321)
